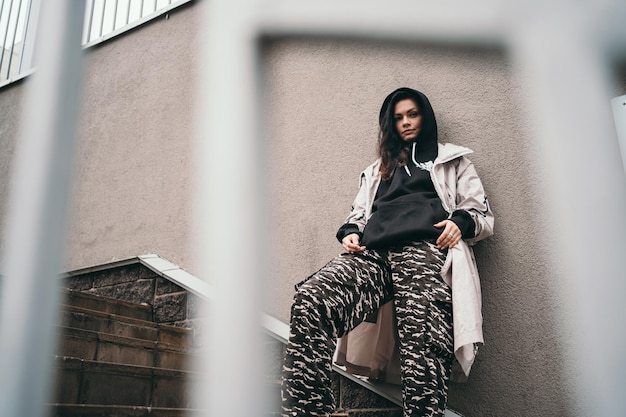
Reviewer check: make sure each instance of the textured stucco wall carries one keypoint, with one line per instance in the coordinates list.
(324, 98)
(133, 181)
(11, 98)
(133, 188)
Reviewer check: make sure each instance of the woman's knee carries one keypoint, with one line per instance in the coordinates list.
(308, 299)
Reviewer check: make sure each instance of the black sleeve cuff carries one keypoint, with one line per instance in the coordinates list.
(347, 229)
(465, 223)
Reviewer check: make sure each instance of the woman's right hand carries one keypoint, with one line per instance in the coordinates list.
(351, 243)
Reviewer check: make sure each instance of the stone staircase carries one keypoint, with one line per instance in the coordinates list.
(114, 360)
(128, 335)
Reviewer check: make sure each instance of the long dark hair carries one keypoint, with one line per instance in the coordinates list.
(392, 150)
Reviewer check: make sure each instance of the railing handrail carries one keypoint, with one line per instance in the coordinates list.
(272, 326)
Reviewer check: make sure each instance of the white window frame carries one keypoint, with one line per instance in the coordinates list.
(159, 8)
(28, 34)
(26, 65)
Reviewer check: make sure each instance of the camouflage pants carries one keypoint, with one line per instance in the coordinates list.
(339, 296)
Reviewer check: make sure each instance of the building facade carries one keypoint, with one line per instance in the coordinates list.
(134, 176)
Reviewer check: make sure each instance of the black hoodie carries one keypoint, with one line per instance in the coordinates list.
(407, 206)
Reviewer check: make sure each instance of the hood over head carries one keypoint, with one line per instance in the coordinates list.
(424, 147)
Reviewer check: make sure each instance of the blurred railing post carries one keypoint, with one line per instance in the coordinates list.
(231, 211)
(565, 71)
(618, 104)
(37, 213)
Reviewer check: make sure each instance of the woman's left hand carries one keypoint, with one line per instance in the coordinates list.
(450, 236)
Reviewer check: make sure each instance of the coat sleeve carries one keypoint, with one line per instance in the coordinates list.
(358, 212)
(471, 196)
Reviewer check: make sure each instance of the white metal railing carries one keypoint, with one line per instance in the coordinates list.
(618, 105)
(559, 50)
(37, 213)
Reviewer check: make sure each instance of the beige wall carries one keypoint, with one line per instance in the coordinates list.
(134, 177)
(134, 184)
(325, 97)
(133, 180)
(11, 98)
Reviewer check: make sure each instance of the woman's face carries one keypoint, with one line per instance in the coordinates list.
(408, 117)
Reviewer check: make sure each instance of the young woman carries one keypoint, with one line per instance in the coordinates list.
(407, 238)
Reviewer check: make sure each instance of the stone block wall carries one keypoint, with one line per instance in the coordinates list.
(171, 304)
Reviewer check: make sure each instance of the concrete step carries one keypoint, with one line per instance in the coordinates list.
(95, 346)
(74, 410)
(81, 381)
(83, 318)
(108, 305)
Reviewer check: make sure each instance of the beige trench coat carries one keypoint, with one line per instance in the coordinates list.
(371, 348)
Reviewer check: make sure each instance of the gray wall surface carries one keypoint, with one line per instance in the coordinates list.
(134, 180)
(134, 177)
(325, 97)
(11, 98)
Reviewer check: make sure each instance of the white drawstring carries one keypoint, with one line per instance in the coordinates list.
(406, 167)
(413, 154)
(426, 166)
